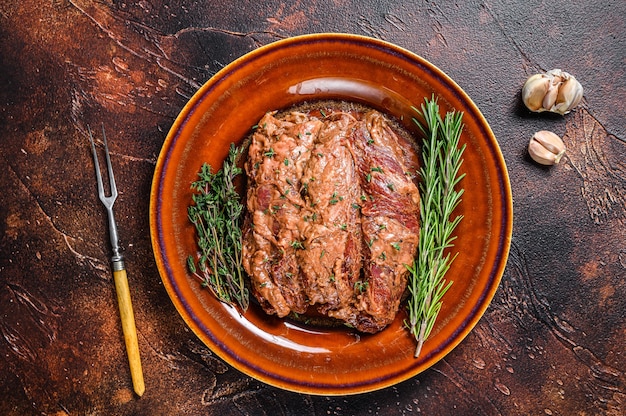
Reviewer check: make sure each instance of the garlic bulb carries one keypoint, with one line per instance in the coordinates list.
(556, 91)
(546, 148)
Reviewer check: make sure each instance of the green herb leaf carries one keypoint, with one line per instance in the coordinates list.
(361, 286)
(297, 245)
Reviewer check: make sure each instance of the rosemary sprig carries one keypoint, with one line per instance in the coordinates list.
(216, 214)
(442, 158)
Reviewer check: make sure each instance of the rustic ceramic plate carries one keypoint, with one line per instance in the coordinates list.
(326, 66)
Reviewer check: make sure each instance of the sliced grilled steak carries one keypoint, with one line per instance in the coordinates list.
(333, 216)
(389, 220)
(276, 159)
(331, 259)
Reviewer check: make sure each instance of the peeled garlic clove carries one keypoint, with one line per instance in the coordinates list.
(546, 148)
(556, 91)
(534, 91)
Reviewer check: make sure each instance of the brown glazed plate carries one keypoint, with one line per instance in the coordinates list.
(294, 356)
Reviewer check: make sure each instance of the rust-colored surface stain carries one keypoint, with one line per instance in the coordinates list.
(552, 340)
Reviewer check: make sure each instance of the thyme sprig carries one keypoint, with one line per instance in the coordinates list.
(216, 214)
(442, 158)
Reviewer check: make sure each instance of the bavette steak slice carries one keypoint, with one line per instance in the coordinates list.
(331, 259)
(389, 221)
(333, 215)
(279, 151)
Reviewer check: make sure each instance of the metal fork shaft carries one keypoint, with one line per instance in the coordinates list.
(115, 246)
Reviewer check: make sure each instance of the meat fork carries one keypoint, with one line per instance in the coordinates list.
(119, 270)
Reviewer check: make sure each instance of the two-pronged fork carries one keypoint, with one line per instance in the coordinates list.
(119, 270)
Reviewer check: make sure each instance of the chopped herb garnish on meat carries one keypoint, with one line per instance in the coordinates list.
(270, 153)
(391, 187)
(377, 169)
(361, 286)
(396, 246)
(286, 162)
(297, 245)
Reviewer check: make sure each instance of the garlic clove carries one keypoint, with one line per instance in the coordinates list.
(550, 98)
(570, 95)
(556, 91)
(534, 90)
(546, 148)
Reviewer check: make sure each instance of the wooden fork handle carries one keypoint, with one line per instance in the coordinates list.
(129, 329)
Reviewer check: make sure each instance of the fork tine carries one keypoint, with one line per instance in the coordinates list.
(109, 167)
(106, 200)
(97, 166)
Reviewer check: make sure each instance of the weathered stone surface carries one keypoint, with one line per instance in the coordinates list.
(552, 341)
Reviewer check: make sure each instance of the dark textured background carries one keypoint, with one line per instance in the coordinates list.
(553, 340)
